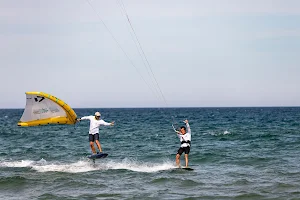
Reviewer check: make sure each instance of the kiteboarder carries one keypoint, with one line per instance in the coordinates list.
(185, 138)
(95, 123)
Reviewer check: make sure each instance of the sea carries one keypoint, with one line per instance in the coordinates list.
(237, 153)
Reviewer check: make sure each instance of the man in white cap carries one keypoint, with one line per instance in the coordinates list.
(95, 123)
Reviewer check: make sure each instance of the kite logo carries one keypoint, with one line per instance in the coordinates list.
(40, 111)
(39, 98)
(53, 109)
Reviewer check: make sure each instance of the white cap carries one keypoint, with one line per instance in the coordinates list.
(97, 114)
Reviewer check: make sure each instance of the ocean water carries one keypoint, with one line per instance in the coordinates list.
(236, 153)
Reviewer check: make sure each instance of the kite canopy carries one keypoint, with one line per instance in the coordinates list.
(42, 109)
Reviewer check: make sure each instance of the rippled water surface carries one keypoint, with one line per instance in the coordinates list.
(236, 153)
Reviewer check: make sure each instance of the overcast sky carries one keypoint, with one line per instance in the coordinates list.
(202, 52)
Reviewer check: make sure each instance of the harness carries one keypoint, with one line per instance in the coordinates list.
(189, 142)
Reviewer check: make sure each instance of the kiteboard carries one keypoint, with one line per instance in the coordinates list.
(187, 168)
(98, 155)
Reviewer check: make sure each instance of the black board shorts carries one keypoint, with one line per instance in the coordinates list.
(93, 138)
(186, 150)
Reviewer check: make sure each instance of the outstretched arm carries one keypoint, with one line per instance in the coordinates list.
(82, 118)
(178, 132)
(187, 126)
(107, 124)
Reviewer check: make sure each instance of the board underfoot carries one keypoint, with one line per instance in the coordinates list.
(98, 155)
(186, 168)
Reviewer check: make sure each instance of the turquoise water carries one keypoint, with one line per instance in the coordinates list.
(236, 153)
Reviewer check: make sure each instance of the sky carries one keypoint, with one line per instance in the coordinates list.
(201, 53)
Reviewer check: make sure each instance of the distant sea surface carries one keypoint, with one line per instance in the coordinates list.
(236, 153)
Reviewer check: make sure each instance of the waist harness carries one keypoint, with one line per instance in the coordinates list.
(189, 142)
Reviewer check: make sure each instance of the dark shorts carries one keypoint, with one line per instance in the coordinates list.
(186, 150)
(93, 138)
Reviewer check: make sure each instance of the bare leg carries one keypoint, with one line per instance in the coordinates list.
(178, 160)
(186, 156)
(99, 145)
(92, 147)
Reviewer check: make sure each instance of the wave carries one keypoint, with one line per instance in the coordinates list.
(182, 182)
(134, 165)
(85, 165)
(213, 133)
(13, 181)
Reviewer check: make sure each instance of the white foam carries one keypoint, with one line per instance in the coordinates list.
(218, 133)
(43, 166)
(226, 132)
(77, 167)
(87, 165)
(134, 165)
(22, 163)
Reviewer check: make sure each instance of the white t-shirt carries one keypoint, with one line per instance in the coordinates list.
(186, 137)
(95, 124)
